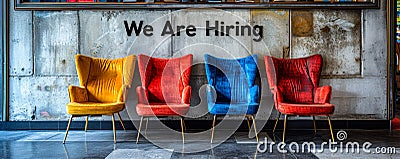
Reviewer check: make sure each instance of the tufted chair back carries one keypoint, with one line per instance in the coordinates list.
(165, 78)
(296, 79)
(233, 79)
(104, 78)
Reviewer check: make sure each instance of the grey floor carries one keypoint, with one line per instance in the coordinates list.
(99, 144)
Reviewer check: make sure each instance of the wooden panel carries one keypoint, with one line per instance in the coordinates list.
(160, 5)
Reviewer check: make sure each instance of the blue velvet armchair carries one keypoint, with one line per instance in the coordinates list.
(232, 87)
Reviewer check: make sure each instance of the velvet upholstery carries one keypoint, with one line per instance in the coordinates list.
(103, 84)
(93, 108)
(231, 85)
(165, 88)
(295, 86)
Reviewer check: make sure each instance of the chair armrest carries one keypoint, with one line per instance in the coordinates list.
(278, 98)
(77, 94)
(142, 95)
(254, 93)
(122, 93)
(186, 94)
(211, 94)
(323, 94)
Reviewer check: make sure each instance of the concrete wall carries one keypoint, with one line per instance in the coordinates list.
(43, 45)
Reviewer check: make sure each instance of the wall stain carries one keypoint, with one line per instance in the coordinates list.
(337, 37)
(33, 117)
(108, 15)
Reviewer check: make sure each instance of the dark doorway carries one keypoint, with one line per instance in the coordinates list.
(3, 52)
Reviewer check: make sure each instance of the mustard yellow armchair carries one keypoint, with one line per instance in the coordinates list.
(103, 84)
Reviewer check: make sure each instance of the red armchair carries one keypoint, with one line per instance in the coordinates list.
(165, 89)
(295, 86)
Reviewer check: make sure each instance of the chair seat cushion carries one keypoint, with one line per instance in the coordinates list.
(91, 108)
(233, 108)
(306, 109)
(162, 109)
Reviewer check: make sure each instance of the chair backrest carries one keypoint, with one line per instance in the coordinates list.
(231, 78)
(104, 78)
(165, 78)
(296, 79)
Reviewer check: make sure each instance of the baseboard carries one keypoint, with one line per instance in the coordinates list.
(195, 125)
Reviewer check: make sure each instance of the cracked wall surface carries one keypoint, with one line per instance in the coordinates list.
(43, 45)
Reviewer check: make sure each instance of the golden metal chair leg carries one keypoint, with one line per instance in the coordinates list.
(248, 123)
(184, 126)
(183, 135)
(274, 139)
(277, 119)
(315, 126)
(87, 120)
(147, 123)
(255, 154)
(113, 124)
(255, 128)
(69, 124)
(284, 129)
(120, 120)
(212, 129)
(138, 133)
(330, 127)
